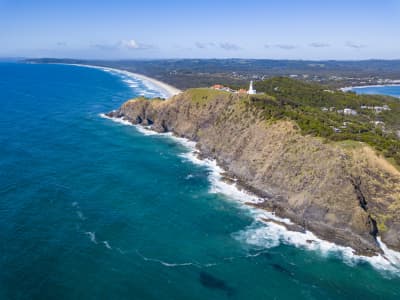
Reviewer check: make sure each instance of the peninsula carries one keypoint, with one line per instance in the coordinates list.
(327, 160)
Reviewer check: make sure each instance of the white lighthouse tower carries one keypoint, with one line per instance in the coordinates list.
(251, 91)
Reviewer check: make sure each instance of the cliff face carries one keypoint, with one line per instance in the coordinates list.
(344, 192)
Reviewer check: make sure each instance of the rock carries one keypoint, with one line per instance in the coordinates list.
(347, 196)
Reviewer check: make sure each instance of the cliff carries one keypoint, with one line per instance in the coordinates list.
(342, 191)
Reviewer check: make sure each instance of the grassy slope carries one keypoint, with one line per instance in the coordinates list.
(303, 103)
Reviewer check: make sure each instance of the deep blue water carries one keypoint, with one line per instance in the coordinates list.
(93, 209)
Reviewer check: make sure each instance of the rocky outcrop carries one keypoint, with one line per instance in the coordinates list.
(343, 192)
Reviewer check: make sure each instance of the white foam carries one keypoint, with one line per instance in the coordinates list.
(272, 235)
(153, 86)
(164, 263)
(130, 81)
(80, 215)
(145, 130)
(391, 255)
(142, 129)
(218, 185)
(107, 245)
(117, 120)
(155, 90)
(92, 236)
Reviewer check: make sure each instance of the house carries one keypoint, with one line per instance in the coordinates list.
(217, 87)
(377, 109)
(220, 87)
(379, 123)
(349, 112)
(345, 124)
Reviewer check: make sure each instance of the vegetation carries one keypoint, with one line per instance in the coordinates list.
(317, 111)
(201, 96)
(193, 73)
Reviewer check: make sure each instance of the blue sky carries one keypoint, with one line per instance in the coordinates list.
(120, 29)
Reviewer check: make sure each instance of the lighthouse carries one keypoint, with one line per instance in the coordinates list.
(251, 91)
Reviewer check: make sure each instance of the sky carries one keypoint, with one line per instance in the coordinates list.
(123, 29)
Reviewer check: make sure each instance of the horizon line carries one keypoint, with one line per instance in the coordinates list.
(199, 58)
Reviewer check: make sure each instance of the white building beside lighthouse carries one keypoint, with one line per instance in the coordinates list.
(251, 90)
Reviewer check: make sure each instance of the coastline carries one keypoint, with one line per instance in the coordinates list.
(163, 88)
(350, 88)
(268, 229)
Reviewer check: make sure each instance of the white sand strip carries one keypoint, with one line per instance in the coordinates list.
(165, 89)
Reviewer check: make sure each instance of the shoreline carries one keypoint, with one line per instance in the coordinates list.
(163, 88)
(275, 229)
(350, 88)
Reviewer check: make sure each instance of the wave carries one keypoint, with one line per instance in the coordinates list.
(152, 86)
(272, 235)
(151, 89)
(221, 261)
(80, 215)
(92, 236)
(143, 130)
(107, 245)
(268, 235)
(218, 185)
(166, 264)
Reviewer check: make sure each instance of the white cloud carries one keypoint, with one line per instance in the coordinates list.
(124, 44)
(202, 45)
(229, 46)
(130, 44)
(354, 45)
(281, 46)
(319, 45)
(286, 46)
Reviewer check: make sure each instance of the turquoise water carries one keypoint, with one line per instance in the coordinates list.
(391, 90)
(93, 209)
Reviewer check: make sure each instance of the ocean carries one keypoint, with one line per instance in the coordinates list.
(391, 90)
(96, 209)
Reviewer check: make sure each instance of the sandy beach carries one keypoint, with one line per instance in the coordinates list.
(165, 89)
